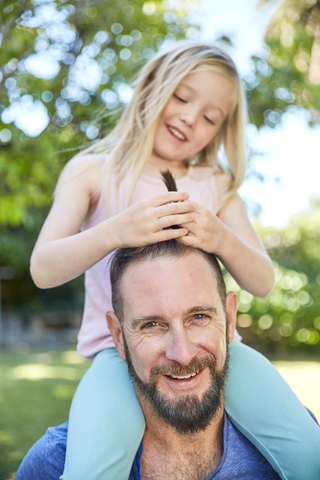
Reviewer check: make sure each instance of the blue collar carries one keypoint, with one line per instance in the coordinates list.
(136, 472)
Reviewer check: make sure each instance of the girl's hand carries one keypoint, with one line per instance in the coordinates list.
(232, 238)
(143, 223)
(206, 231)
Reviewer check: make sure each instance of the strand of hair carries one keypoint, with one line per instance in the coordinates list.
(171, 185)
(169, 180)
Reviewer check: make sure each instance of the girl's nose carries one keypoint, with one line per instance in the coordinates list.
(180, 347)
(189, 117)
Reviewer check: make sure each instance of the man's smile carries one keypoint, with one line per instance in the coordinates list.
(196, 381)
(183, 377)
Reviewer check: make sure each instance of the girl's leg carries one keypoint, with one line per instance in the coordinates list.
(106, 424)
(264, 408)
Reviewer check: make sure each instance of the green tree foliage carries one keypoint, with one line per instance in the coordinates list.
(288, 73)
(70, 62)
(291, 313)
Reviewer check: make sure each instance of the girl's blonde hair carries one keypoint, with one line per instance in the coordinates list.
(130, 144)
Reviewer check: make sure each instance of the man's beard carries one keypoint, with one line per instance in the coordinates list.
(189, 414)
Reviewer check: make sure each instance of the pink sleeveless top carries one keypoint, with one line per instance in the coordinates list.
(94, 335)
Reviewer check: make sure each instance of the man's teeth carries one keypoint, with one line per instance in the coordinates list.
(184, 377)
(176, 133)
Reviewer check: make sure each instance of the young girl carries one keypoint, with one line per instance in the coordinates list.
(187, 104)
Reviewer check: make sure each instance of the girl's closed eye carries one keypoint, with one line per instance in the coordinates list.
(209, 120)
(180, 99)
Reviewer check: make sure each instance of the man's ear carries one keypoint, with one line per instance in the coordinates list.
(116, 332)
(231, 308)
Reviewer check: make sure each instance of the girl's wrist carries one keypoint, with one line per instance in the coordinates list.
(225, 241)
(109, 235)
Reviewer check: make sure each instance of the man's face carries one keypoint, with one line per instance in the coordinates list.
(174, 336)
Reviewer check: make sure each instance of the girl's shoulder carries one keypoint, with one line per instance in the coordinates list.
(89, 163)
(86, 168)
(84, 173)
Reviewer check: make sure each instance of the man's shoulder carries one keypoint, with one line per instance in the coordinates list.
(45, 460)
(241, 459)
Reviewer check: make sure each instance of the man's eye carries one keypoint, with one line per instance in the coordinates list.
(200, 318)
(150, 325)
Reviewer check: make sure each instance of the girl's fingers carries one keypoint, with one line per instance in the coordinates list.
(164, 235)
(192, 226)
(174, 208)
(190, 241)
(168, 197)
(170, 220)
(199, 208)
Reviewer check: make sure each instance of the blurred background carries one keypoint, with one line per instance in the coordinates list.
(65, 67)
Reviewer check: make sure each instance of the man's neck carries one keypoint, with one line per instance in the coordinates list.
(170, 455)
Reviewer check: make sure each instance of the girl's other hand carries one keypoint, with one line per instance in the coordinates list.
(235, 242)
(205, 231)
(143, 223)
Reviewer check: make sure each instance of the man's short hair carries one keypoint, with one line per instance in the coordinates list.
(123, 257)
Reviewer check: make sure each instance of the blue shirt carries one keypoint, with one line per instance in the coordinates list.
(240, 460)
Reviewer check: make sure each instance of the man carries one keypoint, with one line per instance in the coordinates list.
(172, 323)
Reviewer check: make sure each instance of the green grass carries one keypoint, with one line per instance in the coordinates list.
(36, 392)
(304, 379)
(36, 389)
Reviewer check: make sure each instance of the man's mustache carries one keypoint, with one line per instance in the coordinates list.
(176, 369)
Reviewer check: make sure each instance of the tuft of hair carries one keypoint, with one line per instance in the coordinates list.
(171, 185)
(169, 180)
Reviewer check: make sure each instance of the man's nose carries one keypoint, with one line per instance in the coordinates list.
(181, 348)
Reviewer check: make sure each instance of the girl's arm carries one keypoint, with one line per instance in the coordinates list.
(242, 252)
(62, 252)
(58, 254)
(232, 238)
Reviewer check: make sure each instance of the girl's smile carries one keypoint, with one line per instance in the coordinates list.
(177, 133)
(191, 119)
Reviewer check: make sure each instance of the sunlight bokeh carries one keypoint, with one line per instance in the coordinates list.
(304, 379)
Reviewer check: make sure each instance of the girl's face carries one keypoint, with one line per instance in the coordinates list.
(192, 117)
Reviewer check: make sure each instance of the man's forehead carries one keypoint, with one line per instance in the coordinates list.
(167, 278)
(169, 266)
